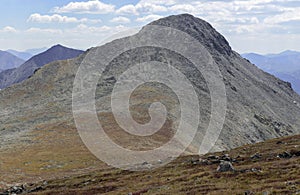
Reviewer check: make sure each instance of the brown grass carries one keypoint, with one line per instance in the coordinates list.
(277, 176)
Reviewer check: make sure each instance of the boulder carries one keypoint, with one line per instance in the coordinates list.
(225, 166)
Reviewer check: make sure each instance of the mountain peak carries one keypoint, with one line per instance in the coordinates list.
(289, 52)
(59, 49)
(57, 46)
(56, 52)
(199, 29)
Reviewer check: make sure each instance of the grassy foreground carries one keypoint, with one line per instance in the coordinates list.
(263, 168)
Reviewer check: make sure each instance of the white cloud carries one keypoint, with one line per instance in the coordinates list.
(150, 8)
(148, 18)
(142, 7)
(120, 19)
(127, 9)
(183, 8)
(159, 2)
(8, 29)
(58, 19)
(82, 28)
(233, 18)
(44, 30)
(91, 7)
(54, 18)
(291, 14)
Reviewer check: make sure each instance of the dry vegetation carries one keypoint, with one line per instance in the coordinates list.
(273, 175)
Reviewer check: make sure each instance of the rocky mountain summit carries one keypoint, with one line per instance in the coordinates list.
(36, 114)
(17, 75)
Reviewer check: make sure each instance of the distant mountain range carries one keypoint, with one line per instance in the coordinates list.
(35, 51)
(20, 54)
(27, 54)
(8, 61)
(27, 69)
(285, 65)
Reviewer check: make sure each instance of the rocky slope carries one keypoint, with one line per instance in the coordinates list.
(8, 61)
(36, 115)
(21, 73)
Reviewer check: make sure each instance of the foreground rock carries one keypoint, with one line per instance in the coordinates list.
(225, 166)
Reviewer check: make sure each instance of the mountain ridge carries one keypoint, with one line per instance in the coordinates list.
(8, 60)
(56, 52)
(23, 55)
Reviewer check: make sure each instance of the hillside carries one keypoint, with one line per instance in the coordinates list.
(39, 138)
(21, 73)
(9, 61)
(271, 167)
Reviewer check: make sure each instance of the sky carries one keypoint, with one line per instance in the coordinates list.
(261, 26)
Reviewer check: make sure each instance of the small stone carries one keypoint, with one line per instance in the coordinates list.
(285, 155)
(288, 183)
(204, 162)
(225, 166)
(256, 156)
(248, 192)
(295, 152)
(255, 170)
(195, 161)
(212, 157)
(226, 157)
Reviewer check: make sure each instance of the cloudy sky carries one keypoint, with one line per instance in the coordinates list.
(263, 26)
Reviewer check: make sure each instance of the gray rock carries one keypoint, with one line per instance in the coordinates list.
(285, 154)
(249, 192)
(226, 157)
(213, 157)
(256, 156)
(225, 166)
